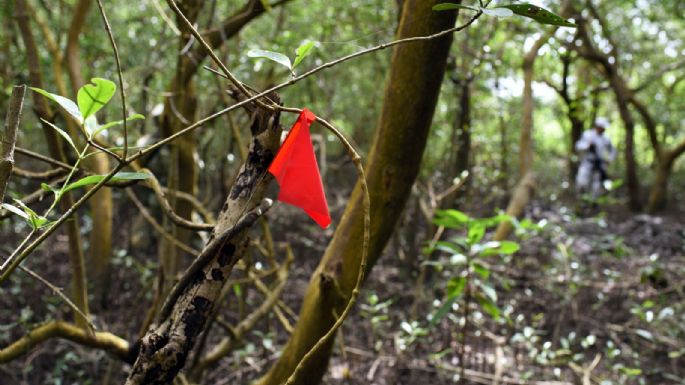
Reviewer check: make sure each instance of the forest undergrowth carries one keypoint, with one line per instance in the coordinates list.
(597, 297)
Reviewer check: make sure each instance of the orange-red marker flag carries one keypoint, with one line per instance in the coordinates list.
(297, 172)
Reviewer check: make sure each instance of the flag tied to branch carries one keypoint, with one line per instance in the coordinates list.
(297, 172)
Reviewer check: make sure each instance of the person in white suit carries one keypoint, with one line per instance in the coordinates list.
(596, 152)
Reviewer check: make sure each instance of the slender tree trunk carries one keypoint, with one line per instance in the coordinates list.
(79, 287)
(101, 206)
(526, 184)
(411, 94)
(179, 111)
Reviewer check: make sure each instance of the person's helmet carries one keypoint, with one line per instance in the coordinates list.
(602, 123)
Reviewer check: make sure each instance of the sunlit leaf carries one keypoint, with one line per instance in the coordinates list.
(498, 12)
(15, 210)
(70, 107)
(475, 233)
(63, 134)
(302, 51)
(452, 219)
(92, 97)
(270, 55)
(93, 179)
(538, 14)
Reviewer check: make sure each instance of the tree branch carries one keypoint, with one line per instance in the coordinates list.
(9, 137)
(109, 342)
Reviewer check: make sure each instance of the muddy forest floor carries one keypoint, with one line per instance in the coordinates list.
(599, 296)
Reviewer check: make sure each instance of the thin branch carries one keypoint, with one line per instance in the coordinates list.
(296, 79)
(160, 229)
(115, 50)
(169, 211)
(109, 342)
(209, 118)
(9, 137)
(59, 293)
(365, 246)
(213, 55)
(38, 175)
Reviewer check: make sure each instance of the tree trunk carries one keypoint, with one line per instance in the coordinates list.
(43, 110)
(658, 192)
(522, 195)
(411, 94)
(526, 183)
(101, 207)
(165, 348)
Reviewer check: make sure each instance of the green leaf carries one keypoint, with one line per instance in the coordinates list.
(451, 6)
(456, 286)
(15, 210)
(538, 14)
(499, 248)
(93, 179)
(48, 188)
(488, 306)
(116, 123)
(302, 51)
(475, 233)
(270, 55)
(32, 218)
(451, 219)
(70, 107)
(488, 290)
(481, 269)
(442, 310)
(63, 134)
(498, 12)
(92, 97)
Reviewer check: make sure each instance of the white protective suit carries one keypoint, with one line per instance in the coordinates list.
(595, 151)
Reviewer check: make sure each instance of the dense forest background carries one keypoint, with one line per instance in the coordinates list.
(149, 250)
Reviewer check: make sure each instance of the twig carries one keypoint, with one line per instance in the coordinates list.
(169, 211)
(365, 247)
(43, 158)
(9, 137)
(115, 50)
(38, 175)
(160, 229)
(210, 51)
(60, 294)
(209, 118)
(209, 252)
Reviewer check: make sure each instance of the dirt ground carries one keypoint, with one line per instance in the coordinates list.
(600, 298)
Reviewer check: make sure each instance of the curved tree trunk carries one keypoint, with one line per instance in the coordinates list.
(411, 94)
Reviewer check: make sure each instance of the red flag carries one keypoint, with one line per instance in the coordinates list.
(297, 172)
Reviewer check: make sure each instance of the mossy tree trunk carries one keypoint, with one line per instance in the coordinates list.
(411, 94)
